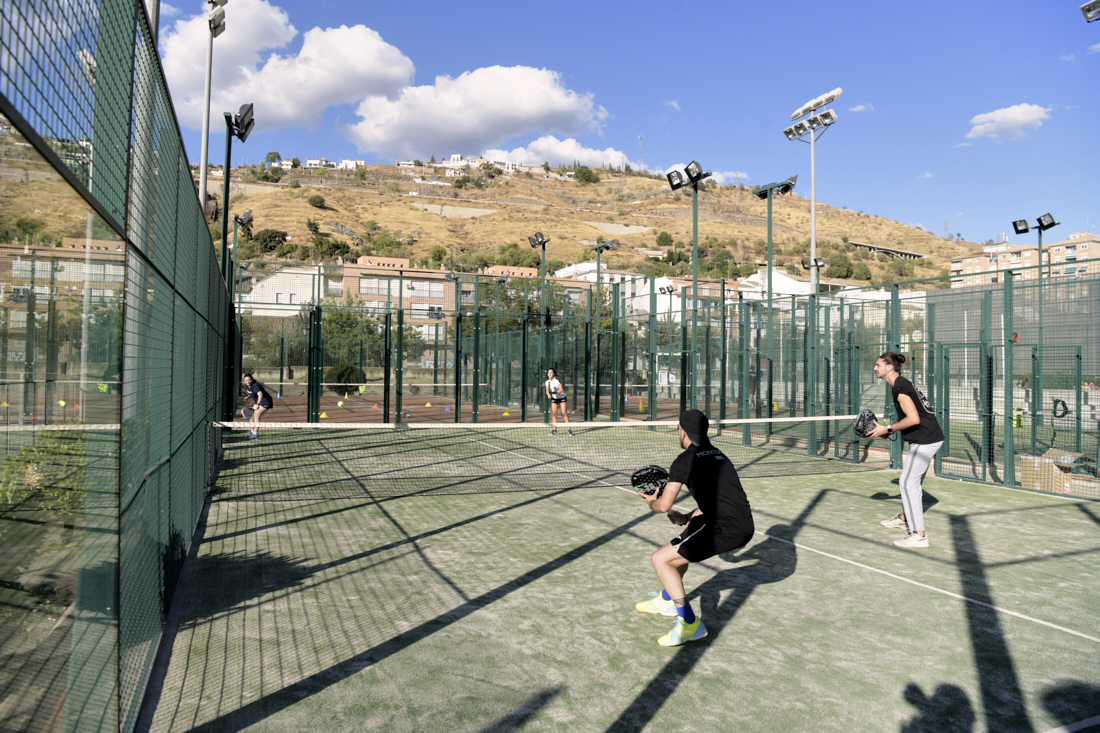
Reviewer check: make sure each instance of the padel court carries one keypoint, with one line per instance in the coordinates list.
(323, 594)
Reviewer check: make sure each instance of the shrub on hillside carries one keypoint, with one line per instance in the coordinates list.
(316, 201)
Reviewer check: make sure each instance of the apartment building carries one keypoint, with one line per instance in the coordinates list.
(1061, 257)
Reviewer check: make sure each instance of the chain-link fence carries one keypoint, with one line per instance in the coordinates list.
(113, 318)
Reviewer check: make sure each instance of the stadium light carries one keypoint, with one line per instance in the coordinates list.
(1021, 226)
(1091, 10)
(239, 126)
(693, 174)
(1044, 222)
(768, 192)
(813, 127)
(806, 264)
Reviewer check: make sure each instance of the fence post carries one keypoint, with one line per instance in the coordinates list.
(1009, 382)
(651, 379)
(588, 366)
(893, 337)
(475, 391)
(523, 372)
(746, 365)
(684, 362)
(387, 355)
(810, 373)
(723, 355)
(458, 359)
(399, 367)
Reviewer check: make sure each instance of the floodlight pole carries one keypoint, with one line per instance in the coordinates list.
(205, 155)
(814, 274)
(771, 192)
(695, 281)
(225, 199)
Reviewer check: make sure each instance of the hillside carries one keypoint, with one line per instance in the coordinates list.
(633, 209)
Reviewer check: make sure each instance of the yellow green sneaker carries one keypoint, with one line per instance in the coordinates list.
(682, 633)
(657, 604)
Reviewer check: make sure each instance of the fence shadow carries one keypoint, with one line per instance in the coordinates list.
(948, 710)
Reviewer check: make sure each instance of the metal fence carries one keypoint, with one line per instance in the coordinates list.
(1012, 367)
(113, 323)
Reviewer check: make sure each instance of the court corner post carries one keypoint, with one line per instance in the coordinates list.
(893, 337)
(1009, 382)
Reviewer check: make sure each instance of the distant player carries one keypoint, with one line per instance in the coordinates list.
(922, 431)
(555, 391)
(721, 523)
(261, 403)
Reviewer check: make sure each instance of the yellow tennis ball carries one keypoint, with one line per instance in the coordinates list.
(61, 403)
(340, 403)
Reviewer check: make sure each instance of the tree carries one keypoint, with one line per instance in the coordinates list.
(418, 163)
(664, 239)
(296, 163)
(273, 157)
(861, 271)
(361, 174)
(268, 240)
(432, 161)
(316, 201)
(546, 166)
(394, 187)
(313, 227)
(903, 268)
(583, 175)
(839, 266)
(436, 254)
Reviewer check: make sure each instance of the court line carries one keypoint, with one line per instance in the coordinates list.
(888, 574)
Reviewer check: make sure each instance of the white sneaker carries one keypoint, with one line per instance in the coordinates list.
(913, 540)
(895, 522)
(253, 435)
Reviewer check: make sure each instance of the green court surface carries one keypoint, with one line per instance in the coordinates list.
(514, 610)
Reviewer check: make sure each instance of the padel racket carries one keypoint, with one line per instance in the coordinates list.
(649, 480)
(864, 423)
(247, 412)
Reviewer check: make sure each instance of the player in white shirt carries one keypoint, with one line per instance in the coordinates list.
(555, 390)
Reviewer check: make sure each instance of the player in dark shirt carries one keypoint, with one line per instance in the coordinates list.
(721, 523)
(921, 430)
(261, 403)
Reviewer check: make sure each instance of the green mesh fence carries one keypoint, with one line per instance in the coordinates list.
(113, 317)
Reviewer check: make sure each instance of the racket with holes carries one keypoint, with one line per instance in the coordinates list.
(649, 480)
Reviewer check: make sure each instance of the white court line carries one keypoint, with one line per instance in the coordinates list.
(850, 562)
(1079, 725)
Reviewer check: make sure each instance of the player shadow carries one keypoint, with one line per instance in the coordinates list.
(777, 560)
(1073, 702)
(1002, 699)
(519, 717)
(948, 710)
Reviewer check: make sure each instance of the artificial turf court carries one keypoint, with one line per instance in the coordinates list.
(513, 609)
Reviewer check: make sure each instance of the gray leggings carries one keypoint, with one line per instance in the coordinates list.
(916, 465)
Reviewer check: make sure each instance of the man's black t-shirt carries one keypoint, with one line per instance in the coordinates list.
(929, 429)
(714, 484)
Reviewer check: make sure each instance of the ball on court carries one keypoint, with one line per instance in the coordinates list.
(340, 403)
(61, 403)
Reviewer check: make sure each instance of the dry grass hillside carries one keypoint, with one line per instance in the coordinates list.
(509, 208)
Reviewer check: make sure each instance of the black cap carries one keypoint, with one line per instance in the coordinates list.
(695, 424)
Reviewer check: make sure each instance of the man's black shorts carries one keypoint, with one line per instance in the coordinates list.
(699, 541)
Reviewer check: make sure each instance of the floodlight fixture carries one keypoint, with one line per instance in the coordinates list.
(217, 22)
(800, 128)
(1046, 221)
(533, 242)
(502, 280)
(1021, 226)
(824, 119)
(790, 133)
(695, 172)
(675, 180)
(604, 246)
(817, 103)
(451, 277)
(243, 122)
(538, 240)
(244, 217)
(1091, 10)
(217, 3)
(786, 186)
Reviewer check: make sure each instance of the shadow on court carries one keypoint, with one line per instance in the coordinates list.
(928, 501)
(948, 710)
(777, 560)
(268, 705)
(516, 719)
(1074, 702)
(1002, 701)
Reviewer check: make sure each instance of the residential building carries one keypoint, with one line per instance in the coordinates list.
(317, 163)
(286, 291)
(285, 164)
(1061, 257)
(347, 164)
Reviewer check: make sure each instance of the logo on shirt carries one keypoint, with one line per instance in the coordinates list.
(715, 452)
(924, 400)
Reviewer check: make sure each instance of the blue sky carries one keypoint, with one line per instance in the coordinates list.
(974, 113)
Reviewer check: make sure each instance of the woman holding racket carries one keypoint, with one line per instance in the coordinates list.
(721, 523)
(261, 403)
(555, 391)
(922, 431)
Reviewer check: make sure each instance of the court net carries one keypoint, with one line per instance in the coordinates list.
(309, 461)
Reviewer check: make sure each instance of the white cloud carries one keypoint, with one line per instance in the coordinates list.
(1070, 57)
(168, 11)
(335, 66)
(862, 108)
(554, 151)
(962, 145)
(1008, 123)
(1094, 49)
(730, 176)
(674, 104)
(926, 175)
(472, 112)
